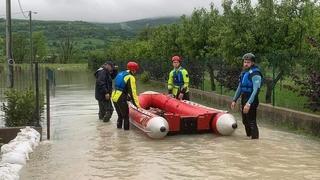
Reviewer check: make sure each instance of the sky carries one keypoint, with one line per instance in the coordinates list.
(104, 10)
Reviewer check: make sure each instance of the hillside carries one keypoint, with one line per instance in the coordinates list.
(54, 30)
(87, 36)
(137, 25)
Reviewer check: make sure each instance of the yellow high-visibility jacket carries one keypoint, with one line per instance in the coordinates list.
(178, 81)
(129, 89)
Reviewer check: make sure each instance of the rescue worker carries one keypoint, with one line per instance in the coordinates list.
(125, 89)
(178, 82)
(249, 86)
(103, 89)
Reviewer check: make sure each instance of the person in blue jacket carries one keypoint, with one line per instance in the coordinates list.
(249, 86)
(103, 89)
(125, 89)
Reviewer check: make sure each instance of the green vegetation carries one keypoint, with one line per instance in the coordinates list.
(20, 108)
(69, 41)
(145, 77)
(283, 97)
(283, 35)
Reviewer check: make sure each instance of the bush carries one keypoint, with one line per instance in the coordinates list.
(20, 108)
(145, 77)
(95, 60)
(310, 87)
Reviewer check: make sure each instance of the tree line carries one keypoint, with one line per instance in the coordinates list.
(81, 37)
(283, 35)
(58, 41)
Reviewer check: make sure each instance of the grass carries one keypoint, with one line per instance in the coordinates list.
(283, 97)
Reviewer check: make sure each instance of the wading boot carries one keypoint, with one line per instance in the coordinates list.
(107, 117)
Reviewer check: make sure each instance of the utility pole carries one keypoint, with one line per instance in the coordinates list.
(10, 60)
(37, 110)
(31, 40)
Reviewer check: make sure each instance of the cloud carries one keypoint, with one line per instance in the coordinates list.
(106, 10)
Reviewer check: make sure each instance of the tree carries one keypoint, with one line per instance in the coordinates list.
(310, 86)
(214, 59)
(66, 50)
(39, 46)
(20, 47)
(308, 82)
(279, 34)
(230, 36)
(193, 35)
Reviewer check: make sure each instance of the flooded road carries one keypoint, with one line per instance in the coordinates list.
(82, 147)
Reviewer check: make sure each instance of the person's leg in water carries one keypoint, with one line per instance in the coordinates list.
(101, 110)
(252, 122)
(120, 117)
(124, 109)
(126, 125)
(246, 123)
(108, 110)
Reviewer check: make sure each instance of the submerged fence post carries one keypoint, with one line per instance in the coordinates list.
(48, 103)
(37, 93)
(273, 85)
(50, 83)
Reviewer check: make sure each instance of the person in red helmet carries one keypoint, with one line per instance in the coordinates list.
(125, 88)
(178, 82)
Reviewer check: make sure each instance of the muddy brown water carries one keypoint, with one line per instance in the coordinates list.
(82, 147)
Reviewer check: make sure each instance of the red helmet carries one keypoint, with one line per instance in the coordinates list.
(176, 58)
(132, 66)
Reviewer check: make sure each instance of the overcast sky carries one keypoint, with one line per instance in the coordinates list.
(105, 10)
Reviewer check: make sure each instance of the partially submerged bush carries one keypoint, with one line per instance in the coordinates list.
(20, 108)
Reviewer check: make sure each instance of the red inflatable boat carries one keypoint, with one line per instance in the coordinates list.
(161, 114)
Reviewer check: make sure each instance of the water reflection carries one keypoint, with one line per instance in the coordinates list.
(85, 148)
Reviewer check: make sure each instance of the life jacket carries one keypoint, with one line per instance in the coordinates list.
(178, 77)
(246, 84)
(120, 84)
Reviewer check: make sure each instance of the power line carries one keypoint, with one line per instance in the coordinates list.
(22, 9)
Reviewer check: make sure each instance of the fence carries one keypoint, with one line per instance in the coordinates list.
(26, 77)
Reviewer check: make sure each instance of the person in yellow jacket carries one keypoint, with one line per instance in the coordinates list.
(178, 82)
(125, 88)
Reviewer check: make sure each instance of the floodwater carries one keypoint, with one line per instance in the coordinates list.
(82, 147)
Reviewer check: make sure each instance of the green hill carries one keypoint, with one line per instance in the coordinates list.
(137, 25)
(54, 30)
(87, 36)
